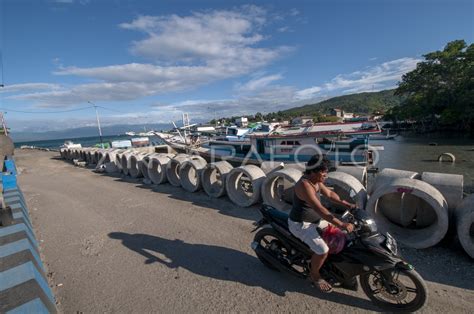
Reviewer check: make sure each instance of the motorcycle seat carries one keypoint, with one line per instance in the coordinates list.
(277, 216)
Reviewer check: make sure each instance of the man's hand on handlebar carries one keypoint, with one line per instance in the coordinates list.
(348, 227)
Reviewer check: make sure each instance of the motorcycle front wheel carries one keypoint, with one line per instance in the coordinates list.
(407, 291)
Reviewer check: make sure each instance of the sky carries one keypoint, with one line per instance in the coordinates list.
(150, 61)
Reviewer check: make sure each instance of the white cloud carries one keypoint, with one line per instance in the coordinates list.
(28, 87)
(374, 78)
(307, 93)
(294, 12)
(259, 83)
(186, 52)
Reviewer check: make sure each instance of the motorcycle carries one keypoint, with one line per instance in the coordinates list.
(390, 282)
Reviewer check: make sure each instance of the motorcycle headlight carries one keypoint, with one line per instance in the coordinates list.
(391, 244)
(370, 223)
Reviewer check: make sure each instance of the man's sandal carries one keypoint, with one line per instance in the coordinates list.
(322, 285)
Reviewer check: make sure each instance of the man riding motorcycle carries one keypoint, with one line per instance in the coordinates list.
(308, 215)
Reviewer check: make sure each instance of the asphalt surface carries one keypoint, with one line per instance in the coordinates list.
(115, 245)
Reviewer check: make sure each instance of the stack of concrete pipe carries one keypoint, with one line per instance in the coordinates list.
(415, 208)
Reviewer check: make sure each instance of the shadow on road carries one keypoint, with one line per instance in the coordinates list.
(225, 264)
(223, 205)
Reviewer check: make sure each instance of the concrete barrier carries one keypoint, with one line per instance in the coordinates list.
(243, 185)
(213, 178)
(411, 234)
(190, 174)
(278, 188)
(465, 224)
(24, 286)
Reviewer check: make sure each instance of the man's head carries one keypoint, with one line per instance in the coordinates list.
(317, 168)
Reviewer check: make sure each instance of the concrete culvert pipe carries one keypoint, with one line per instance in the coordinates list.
(97, 156)
(450, 185)
(90, 157)
(270, 166)
(243, 185)
(465, 224)
(447, 157)
(157, 168)
(358, 172)
(173, 166)
(143, 165)
(110, 161)
(278, 188)
(133, 164)
(388, 175)
(429, 198)
(213, 178)
(124, 161)
(400, 207)
(190, 174)
(118, 160)
(348, 188)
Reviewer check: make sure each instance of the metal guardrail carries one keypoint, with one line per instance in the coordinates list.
(23, 283)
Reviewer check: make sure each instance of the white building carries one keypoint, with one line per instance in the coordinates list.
(242, 122)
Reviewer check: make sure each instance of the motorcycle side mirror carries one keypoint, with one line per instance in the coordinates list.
(346, 215)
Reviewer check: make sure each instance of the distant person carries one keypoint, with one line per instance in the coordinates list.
(308, 214)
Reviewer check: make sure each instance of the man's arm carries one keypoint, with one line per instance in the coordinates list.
(305, 191)
(334, 197)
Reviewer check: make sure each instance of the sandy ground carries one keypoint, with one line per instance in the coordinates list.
(115, 245)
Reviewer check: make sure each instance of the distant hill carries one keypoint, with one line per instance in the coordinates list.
(85, 132)
(363, 103)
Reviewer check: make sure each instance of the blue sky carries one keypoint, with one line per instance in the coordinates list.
(150, 61)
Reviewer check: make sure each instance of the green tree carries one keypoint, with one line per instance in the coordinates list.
(440, 86)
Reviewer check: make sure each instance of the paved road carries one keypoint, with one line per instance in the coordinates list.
(114, 245)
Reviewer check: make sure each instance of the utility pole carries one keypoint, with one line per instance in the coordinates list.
(98, 123)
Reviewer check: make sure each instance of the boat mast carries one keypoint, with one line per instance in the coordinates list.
(98, 123)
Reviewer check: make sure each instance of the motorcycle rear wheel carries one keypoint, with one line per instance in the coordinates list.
(395, 300)
(271, 241)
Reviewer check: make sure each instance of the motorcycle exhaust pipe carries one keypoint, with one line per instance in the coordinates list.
(263, 253)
